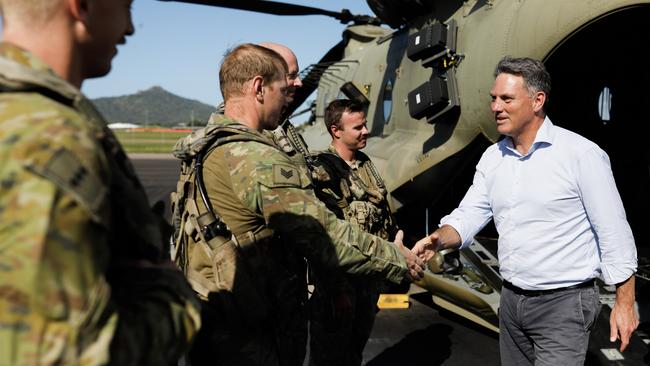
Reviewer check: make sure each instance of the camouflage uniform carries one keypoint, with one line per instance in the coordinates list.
(291, 334)
(75, 228)
(256, 188)
(357, 194)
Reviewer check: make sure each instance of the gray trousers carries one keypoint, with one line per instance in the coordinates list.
(550, 329)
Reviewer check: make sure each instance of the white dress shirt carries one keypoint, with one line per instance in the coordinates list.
(557, 210)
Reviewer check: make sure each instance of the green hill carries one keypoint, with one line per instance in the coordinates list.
(154, 106)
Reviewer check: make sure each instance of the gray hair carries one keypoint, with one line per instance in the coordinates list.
(535, 76)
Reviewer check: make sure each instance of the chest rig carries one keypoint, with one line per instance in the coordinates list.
(223, 268)
(346, 192)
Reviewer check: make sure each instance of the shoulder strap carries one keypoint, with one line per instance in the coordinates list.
(209, 139)
(17, 77)
(236, 133)
(333, 161)
(212, 136)
(296, 139)
(373, 170)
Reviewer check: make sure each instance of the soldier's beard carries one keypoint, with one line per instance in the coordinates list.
(291, 93)
(284, 115)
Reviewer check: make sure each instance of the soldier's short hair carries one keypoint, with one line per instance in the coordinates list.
(535, 76)
(335, 110)
(35, 12)
(246, 61)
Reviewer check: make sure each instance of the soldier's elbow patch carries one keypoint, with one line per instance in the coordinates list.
(66, 171)
(285, 175)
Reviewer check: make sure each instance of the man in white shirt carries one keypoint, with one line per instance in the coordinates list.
(561, 224)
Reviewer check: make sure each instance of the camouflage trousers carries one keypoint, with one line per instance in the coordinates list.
(341, 342)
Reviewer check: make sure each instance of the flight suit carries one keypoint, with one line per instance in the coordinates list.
(357, 194)
(83, 274)
(254, 187)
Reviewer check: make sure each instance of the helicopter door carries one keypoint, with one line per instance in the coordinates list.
(600, 90)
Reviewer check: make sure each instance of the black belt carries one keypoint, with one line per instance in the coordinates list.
(521, 291)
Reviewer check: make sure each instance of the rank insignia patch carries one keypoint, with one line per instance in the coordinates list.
(285, 174)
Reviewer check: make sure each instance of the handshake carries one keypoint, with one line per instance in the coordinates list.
(426, 248)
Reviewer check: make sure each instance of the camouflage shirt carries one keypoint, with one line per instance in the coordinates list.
(83, 275)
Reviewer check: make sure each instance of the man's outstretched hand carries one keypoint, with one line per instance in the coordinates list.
(426, 247)
(414, 262)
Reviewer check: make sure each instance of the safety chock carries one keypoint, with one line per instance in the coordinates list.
(393, 301)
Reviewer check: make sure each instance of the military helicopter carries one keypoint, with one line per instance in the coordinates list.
(425, 68)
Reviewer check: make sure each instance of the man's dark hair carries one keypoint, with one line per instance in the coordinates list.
(535, 76)
(335, 110)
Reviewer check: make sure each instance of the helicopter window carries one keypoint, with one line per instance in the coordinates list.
(605, 105)
(388, 100)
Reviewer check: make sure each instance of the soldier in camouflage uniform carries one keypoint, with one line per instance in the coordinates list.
(252, 275)
(291, 335)
(83, 274)
(343, 308)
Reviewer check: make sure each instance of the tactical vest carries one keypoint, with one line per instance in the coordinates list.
(359, 202)
(286, 138)
(140, 233)
(224, 269)
(289, 140)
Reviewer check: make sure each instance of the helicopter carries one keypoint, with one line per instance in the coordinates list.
(424, 69)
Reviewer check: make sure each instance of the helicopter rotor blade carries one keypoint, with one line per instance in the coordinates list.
(272, 7)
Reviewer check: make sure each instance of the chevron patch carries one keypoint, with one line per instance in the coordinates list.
(286, 174)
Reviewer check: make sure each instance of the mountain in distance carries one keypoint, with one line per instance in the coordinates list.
(154, 106)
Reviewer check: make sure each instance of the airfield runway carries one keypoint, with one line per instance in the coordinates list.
(420, 335)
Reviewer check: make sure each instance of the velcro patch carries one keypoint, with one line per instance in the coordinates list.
(286, 174)
(67, 172)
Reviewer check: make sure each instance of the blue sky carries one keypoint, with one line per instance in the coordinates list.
(179, 46)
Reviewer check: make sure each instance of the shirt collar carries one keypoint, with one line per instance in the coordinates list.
(544, 137)
(546, 133)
